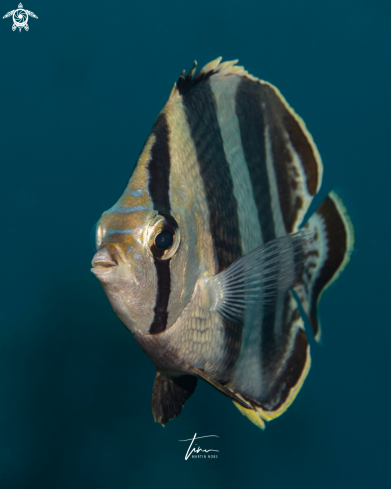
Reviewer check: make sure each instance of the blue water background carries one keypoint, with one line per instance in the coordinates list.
(79, 93)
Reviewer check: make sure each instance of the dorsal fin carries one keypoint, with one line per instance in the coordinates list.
(188, 81)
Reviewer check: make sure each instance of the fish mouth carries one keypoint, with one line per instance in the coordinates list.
(103, 262)
(102, 271)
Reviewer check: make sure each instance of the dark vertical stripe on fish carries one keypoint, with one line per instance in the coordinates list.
(297, 137)
(289, 376)
(159, 190)
(284, 127)
(159, 167)
(290, 201)
(200, 107)
(250, 113)
(163, 273)
(268, 345)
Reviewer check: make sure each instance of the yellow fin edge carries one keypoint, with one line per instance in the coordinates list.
(258, 416)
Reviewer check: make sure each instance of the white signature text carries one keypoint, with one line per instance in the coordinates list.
(197, 449)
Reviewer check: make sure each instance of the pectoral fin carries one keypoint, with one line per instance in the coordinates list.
(259, 277)
(170, 394)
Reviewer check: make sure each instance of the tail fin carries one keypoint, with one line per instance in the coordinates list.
(328, 256)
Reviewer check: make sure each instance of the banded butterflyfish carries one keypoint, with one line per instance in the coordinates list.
(201, 253)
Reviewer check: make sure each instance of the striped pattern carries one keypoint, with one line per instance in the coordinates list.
(201, 111)
(248, 103)
(200, 106)
(236, 167)
(260, 170)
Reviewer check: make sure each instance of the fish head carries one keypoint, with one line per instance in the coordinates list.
(146, 261)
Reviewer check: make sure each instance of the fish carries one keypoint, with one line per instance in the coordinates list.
(208, 256)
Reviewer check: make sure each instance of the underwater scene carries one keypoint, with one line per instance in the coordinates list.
(216, 166)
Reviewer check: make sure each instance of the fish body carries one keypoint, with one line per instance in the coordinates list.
(199, 255)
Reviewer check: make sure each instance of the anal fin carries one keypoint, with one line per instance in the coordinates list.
(328, 255)
(273, 365)
(252, 415)
(217, 385)
(170, 394)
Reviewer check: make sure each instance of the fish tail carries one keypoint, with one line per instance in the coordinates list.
(327, 256)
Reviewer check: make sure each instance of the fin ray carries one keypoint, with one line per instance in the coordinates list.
(259, 276)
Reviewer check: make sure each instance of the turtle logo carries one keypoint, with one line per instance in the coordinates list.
(20, 17)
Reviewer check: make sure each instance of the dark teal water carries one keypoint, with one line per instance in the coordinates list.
(78, 95)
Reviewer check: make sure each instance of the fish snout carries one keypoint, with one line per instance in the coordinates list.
(105, 259)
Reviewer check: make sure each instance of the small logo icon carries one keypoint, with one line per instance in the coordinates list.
(20, 17)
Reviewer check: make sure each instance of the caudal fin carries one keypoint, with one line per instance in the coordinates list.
(328, 255)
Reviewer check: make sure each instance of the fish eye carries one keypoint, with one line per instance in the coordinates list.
(96, 236)
(163, 236)
(164, 240)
